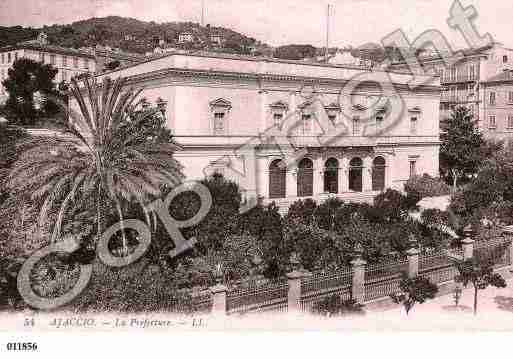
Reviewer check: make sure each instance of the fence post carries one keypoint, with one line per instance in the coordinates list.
(413, 262)
(468, 248)
(219, 299)
(294, 294)
(358, 288)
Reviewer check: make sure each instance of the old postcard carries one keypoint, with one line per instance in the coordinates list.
(171, 167)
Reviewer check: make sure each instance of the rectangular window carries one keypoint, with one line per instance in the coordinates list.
(3, 58)
(413, 125)
(472, 72)
(453, 73)
(413, 168)
(15, 56)
(510, 121)
(492, 124)
(379, 123)
(504, 59)
(332, 118)
(492, 98)
(86, 64)
(8, 57)
(356, 126)
(64, 61)
(510, 97)
(42, 57)
(52, 59)
(219, 123)
(277, 117)
(75, 62)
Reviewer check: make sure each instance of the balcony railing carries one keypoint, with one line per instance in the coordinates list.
(462, 78)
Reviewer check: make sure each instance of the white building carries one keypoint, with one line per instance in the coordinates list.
(218, 107)
(68, 62)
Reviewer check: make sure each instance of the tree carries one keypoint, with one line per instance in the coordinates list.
(478, 272)
(462, 144)
(295, 52)
(28, 84)
(111, 161)
(414, 290)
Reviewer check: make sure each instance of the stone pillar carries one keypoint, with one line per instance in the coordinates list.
(343, 173)
(367, 174)
(318, 178)
(294, 293)
(358, 288)
(219, 299)
(468, 248)
(413, 262)
(291, 190)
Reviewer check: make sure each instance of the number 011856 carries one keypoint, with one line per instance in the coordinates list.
(21, 346)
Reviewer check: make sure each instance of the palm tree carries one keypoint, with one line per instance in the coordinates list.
(107, 154)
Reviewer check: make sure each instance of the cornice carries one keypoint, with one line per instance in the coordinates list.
(256, 77)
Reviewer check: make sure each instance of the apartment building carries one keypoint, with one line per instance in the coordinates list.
(479, 81)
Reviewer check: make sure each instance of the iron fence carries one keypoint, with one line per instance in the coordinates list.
(322, 285)
(495, 251)
(382, 279)
(266, 297)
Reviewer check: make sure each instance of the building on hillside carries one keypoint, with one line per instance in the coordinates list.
(343, 58)
(185, 36)
(476, 81)
(104, 57)
(68, 62)
(216, 39)
(219, 106)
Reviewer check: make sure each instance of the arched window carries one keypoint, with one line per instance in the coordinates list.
(277, 180)
(355, 175)
(378, 174)
(305, 178)
(331, 176)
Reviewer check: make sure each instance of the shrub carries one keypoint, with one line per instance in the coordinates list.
(336, 306)
(131, 289)
(390, 206)
(325, 213)
(419, 187)
(414, 290)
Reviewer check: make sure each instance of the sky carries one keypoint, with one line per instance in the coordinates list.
(278, 22)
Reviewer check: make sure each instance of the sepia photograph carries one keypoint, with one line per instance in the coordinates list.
(219, 166)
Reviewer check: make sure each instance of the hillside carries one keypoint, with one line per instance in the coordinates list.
(132, 35)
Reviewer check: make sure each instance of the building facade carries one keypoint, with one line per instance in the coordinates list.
(286, 130)
(68, 62)
(473, 82)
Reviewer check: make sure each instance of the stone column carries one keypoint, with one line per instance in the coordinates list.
(358, 288)
(291, 190)
(294, 293)
(367, 174)
(318, 178)
(468, 248)
(343, 173)
(413, 262)
(219, 299)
